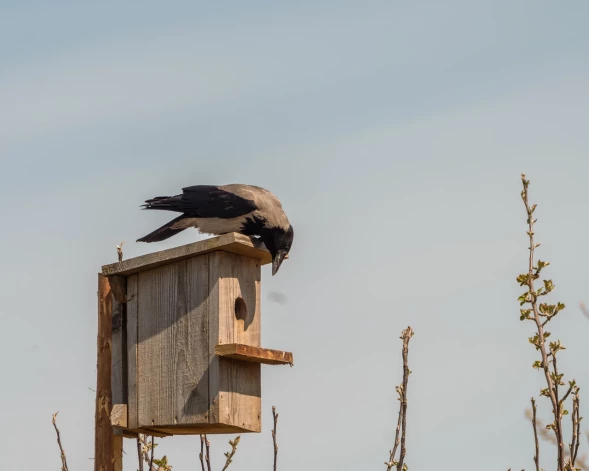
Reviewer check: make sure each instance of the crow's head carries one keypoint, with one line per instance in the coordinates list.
(278, 241)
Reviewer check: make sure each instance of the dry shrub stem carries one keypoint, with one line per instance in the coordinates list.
(140, 453)
(208, 455)
(541, 313)
(537, 455)
(532, 298)
(152, 451)
(576, 435)
(275, 417)
(62, 453)
(229, 455)
(402, 418)
(544, 433)
(202, 449)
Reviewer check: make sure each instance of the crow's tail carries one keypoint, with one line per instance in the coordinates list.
(164, 232)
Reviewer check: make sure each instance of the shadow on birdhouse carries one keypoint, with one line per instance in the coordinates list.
(186, 325)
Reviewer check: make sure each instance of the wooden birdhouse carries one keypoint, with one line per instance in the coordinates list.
(186, 338)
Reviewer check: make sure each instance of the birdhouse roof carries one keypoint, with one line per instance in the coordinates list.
(233, 242)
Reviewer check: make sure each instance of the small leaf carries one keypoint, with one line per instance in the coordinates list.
(524, 298)
(523, 279)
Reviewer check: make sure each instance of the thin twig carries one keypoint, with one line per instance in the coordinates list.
(152, 451)
(140, 452)
(537, 455)
(202, 449)
(401, 421)
(275, 416)
(208, 456)
(229, 455)
(549, 437)
(575, 441)
(62, 453)
(406, 336)
(565, 397)
(393, 452)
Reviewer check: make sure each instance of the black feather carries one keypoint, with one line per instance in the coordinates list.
(164, 232)
(205, 201)
(253, 226)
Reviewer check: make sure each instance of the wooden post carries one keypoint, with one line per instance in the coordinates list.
(107, 448)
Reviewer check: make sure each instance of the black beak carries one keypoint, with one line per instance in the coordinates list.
(277, 261)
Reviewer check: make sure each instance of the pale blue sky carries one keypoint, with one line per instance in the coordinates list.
(395, 136)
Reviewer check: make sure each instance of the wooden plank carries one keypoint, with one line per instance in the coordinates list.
(240, 394)
(213, 330)
(119, 344)
(254, 354)
(172, 383)
(104, 438)
(209, 429)
(132, 314)
(191, 346)
(118, 415)
(117, 460)
(235, 386)
(238, 281)
(233, 243)
(148, 431)
(126, 433)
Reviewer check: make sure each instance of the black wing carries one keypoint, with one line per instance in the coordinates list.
(205, 201)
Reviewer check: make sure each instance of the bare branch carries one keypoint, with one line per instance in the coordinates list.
(406, 336)
(62, 453)
(152, 451)
(202, 449)
(576, 436)
(229, 455)
(549, 437)
(140, 452)
(401, 421)
(208, 455)
(275, 417)
(537, 455)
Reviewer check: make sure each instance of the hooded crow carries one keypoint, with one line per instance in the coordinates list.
(247, 209)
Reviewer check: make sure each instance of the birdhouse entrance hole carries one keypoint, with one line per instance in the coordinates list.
(240, 309)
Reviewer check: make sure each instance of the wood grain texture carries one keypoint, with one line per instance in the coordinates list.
(254, 354)
(172, 383)
(235, 277)
(240, 394)
(132, 309)
(235, 387)
(118, 286)
(119, 343)
(104, 438)
(231, 243)
(209, 429)
(213, 338)
(118, 415)
(117, 459)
